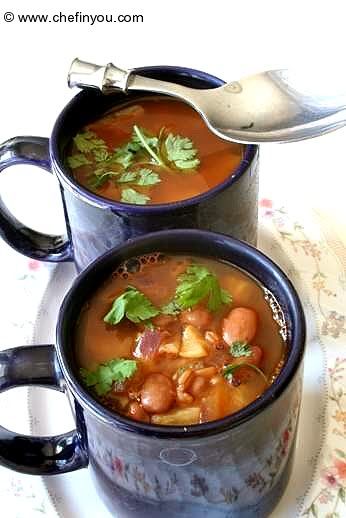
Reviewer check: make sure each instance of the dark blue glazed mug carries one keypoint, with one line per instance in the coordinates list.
(95, 224)
(237, 466)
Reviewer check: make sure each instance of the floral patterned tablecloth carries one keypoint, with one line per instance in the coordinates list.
(312, 250)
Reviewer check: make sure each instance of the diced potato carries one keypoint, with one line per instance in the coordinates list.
(247, 392)
(181, 416)
(218, 402)
(223, 398)
(240, 397)
(193, 343)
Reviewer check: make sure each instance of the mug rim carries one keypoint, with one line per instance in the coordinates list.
(99, 201)
(230, 422)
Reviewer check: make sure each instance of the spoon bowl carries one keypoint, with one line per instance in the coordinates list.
(272, 106)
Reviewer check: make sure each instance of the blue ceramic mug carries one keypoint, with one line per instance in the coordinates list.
(95, 224)
(236, 466)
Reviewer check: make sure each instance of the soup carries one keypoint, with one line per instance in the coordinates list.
(154, 150)
(178, 340)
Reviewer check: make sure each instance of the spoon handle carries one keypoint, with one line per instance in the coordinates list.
(105, 78)
(110, 79)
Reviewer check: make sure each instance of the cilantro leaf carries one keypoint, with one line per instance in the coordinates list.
(170, 309)
(141, 138)
(101, 155)
(124, 155)
(148, 143)
(180, 150)
(117, 311)
(230, 369)
(217, 295)
(147, 177)
(107, 373)
(132, 196)
(239, 349)
(75, 161)
(143, 177)
(99, 178)
(128, 176)
(133, 305)
(88, 141)
(196, 284)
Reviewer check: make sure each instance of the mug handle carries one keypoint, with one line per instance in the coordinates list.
(37, 365)
(43, 247)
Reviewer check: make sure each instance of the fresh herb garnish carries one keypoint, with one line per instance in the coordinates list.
(143, 149)
(181, 152)
(133, 305)
(125, 154)
(99, 178)
(147, 177)
(75, 161)
(88, 141)
(197, 284)
(132, 196)
(230, 369)
(107, 373)
(143, 177)
(128, 176)
(239, 349)
(148, 143)
(171, 308)
(101, 155)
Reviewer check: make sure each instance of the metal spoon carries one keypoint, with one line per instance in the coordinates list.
(274, 106)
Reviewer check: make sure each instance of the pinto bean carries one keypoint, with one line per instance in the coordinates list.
(198, 317)
(157, 393)
(136, 412)
(239, 325)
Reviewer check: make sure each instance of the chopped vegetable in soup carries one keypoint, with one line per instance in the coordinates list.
(154, 150)
(177, 340)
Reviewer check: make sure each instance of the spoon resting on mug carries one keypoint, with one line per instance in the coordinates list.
(273, 106)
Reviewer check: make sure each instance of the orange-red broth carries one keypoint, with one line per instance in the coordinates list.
(218, 158)
(204, 395)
